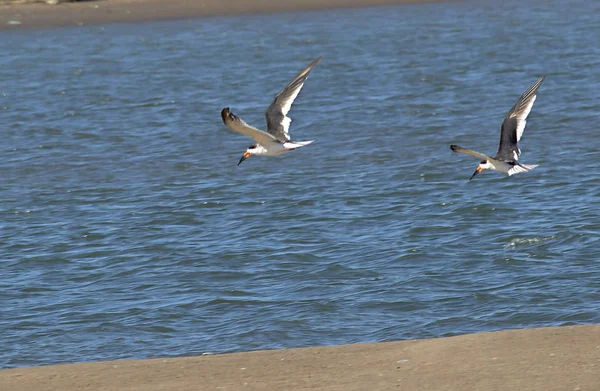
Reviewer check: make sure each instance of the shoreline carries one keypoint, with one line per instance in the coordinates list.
(553, 358)
(21, 16)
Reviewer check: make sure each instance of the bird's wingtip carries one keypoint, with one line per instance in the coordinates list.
(224, 113)
(454, 147)
(315, 62)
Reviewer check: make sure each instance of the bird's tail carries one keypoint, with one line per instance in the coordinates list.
(296, 144)
(518, 168)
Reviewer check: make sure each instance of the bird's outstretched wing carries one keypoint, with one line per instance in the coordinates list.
(481, 156)
(278, 123)
(236, 124)
(514, 123)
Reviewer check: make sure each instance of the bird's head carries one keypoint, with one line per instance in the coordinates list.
(483, 165)
(252, 150)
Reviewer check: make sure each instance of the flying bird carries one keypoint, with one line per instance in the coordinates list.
(276, 140)
(506, 160)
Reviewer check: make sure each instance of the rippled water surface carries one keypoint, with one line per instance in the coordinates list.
(128, 231)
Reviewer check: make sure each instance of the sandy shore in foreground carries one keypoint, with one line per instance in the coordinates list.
(558, 358)
(15, 16)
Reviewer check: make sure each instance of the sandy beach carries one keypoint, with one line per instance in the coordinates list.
(563, 358)
(17, 15)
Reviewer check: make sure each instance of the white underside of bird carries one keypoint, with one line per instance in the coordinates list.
(489, 163)
(276, 148)
(507, 168)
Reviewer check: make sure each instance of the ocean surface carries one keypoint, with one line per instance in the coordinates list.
(127, 230)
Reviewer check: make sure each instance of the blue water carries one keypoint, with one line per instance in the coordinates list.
(128, 231)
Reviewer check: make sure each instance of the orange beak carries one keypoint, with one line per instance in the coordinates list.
(477, 171)
(245, 156)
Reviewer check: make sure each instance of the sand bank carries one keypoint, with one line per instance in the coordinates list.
(559, 358)
(17, 15)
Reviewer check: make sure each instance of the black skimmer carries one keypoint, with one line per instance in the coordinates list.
(506, 159)
(276, 140)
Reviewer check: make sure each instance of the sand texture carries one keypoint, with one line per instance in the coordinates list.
(18, 15)
(563, 358)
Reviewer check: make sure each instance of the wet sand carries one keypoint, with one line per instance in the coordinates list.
(16, 15)
(563, 358)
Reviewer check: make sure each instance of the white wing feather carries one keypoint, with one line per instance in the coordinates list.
(278, 123)
(518, 168)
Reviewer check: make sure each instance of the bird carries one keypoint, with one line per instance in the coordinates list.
(276, 140)
(506, 160)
